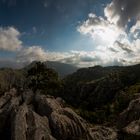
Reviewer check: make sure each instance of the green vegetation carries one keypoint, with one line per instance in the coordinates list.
(39, 77)
(98, 94)
(125, 96)
(10, 78)
(104, 93)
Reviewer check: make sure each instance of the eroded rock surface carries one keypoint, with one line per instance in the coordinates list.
(27, 125)
(102, 133)
(129, 121)
(132, 113)
(29, 116)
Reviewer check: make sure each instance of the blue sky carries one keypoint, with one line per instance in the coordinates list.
(67, 30)
(49, 23)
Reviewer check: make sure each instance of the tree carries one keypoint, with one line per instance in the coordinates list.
(39, 77)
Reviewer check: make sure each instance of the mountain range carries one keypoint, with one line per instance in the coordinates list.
(63, 69)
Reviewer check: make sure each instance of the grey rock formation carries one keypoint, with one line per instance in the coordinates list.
(7, 104)
(130, 114)
(28, 96)
(29, 116)
(46, 104)
(131, 131)
(133, 128)
(27, 125)
(66, 124)
(102, 133)
(129, 121)
(63, 127)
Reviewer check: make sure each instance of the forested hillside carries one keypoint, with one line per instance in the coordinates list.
(107, 99)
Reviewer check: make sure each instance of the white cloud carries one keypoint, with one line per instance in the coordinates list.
(114, 46)
(37, 53)
(116, 43)
(135, 27)
(78, 58)
(9, 39)
(101, 30)
(122, 52)
(120, 12)
(31, 54)
(135, 30)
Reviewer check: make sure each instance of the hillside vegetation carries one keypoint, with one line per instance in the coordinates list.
(105, 98)
(100, 93)
(97, 93)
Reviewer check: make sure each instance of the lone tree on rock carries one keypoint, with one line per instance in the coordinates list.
(39, 77)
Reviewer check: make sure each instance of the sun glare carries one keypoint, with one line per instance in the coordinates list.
(108, 35)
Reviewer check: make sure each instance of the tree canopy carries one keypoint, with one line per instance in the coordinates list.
(39, 77)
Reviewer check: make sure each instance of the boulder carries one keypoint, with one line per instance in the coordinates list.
(132, 131)
(130, 114)
(29, 116)
(102, 133)
(27, 125)
(133, 128)
(66, 125)
(46, 104)
(6, 110)
(28, 96)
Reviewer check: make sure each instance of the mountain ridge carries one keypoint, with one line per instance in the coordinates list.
(63, 69)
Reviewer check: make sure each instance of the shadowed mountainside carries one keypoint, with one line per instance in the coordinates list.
(103, 91)
(62, 68)
(106, 98)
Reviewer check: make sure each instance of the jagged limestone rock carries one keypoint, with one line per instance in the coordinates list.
(130, 114)
(29, 116)
(27, 125)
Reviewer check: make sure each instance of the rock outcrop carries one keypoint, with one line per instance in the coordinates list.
(129, 121)
(29, 116)
(28, 125)
(132, 113)
(102, 133)
(133, 128)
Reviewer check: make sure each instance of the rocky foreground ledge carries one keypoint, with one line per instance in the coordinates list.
(26, 116)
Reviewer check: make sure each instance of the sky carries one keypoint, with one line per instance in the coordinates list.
(83, 33)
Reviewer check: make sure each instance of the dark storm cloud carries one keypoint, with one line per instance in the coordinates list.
(121, 11)
(113, 50)
(89, 59)
(94, 20)
(124, 47)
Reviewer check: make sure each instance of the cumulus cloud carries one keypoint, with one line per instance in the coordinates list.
(9, 39)
(36, 53)
(80, 58)
(125, 47)
(116, 42)
(101, 30)
(135, 30)
(93, 22)
(120, 12)
(31, 54)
